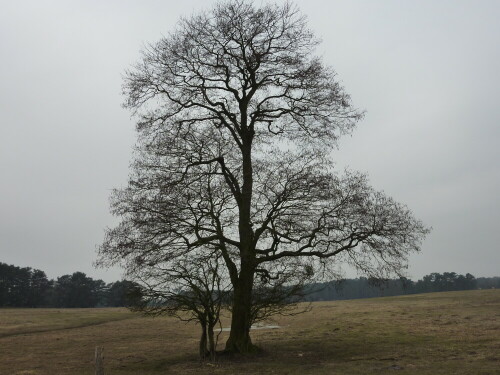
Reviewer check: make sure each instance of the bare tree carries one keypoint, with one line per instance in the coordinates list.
(237, 119)
(192, 289)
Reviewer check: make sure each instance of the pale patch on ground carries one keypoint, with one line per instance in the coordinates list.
(253, 327)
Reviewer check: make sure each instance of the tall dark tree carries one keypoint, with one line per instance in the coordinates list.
(121, 293)
(22, 287)
(77, 290)
(39, 286)
(237, 118)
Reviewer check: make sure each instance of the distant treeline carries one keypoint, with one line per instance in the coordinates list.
(367, 288)
(27, 287)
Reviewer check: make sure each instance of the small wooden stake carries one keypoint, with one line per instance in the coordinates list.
(99, 360)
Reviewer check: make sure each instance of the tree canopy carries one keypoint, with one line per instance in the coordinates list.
(237, 118)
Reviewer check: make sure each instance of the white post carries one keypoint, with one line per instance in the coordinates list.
(99, 360)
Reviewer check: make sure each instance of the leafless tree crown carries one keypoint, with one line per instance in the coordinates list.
(237, 119)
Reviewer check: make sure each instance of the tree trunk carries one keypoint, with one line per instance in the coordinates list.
(239, 338)
(203, 340)
(211, 341)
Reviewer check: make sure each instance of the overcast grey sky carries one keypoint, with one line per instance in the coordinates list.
(427, 73)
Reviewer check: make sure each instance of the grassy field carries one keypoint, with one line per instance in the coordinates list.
(438, 333)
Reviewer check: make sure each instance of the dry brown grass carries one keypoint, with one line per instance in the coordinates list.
(439, 333)
(18, 321)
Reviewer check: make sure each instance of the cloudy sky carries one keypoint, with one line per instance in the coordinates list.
(426, 72)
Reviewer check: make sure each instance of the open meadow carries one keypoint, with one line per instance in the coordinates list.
(437, 333)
